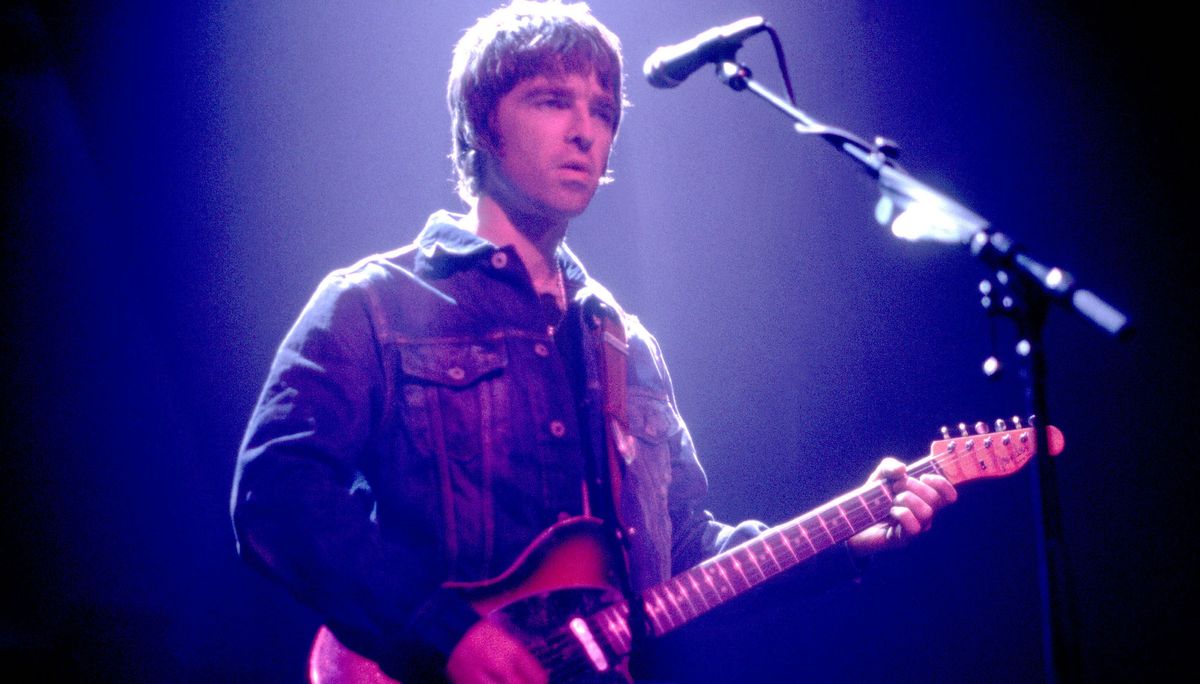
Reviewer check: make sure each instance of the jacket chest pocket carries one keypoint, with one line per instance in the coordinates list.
(645, 497)
(455, 397)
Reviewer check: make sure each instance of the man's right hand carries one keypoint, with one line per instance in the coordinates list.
(489, 655)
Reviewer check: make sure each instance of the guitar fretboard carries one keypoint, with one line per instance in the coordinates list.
(730, 574)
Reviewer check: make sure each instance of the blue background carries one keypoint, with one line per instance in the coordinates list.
(179, 176)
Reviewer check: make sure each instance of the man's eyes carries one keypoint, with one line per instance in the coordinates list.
(554, 102)
(603, 112)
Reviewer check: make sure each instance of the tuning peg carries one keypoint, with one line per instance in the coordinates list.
(1016, 422)
(1001, 426)
(980, 427)
(1032, 421)
(962, 427)
(945, 432)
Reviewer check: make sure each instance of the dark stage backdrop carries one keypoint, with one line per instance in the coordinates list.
(179, 176)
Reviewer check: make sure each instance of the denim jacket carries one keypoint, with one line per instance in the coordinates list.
(418, 426)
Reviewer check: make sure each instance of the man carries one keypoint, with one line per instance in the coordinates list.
(435, 408)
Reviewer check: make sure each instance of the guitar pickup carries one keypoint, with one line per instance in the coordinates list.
(583, 634)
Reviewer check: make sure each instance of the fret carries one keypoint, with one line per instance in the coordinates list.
(698, 590)
(858, 514)
(622, 620)
(727, 587)
(807, 539)
(670, 603)
(885, 493)
(777, 545)
(655, 611)
(613, 629)
(679, 594)
(707, 572)
(834, 524)
(768, 565)
(740, 573)
(751, 571)
(825, 529)
(782, 534)
(927, 466)
(842, 512)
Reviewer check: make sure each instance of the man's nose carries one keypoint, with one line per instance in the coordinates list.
(582, 132)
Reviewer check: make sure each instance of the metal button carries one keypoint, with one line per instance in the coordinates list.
(541, 349)
(456, 373)
(557, 428)
(499, 259)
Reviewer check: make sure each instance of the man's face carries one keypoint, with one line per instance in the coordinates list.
(552, 135)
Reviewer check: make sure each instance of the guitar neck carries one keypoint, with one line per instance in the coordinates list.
(721, 578)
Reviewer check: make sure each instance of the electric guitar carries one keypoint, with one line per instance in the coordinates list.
(560, 598)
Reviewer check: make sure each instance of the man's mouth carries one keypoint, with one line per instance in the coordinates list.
(582, 167)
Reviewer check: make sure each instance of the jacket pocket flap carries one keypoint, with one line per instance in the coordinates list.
(456, 364)
(652, 419)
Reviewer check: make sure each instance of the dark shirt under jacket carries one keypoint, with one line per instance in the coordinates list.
(419, 425)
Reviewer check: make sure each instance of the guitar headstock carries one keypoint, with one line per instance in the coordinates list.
(989, 452)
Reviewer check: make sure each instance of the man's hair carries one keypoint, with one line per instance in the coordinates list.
(519, 41)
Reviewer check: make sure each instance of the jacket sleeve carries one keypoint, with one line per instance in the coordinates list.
(298, 512)
(697, 535)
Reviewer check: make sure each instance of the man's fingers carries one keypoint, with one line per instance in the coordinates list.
(890, 469)
(946, 491)
(909, 513)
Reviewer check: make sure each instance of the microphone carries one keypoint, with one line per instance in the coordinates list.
(669, 66)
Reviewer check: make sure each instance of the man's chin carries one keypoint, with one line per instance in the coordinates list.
(568, 205)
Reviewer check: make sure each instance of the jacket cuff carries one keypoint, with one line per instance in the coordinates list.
(430, 636)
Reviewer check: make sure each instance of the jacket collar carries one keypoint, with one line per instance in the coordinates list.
(443, 247)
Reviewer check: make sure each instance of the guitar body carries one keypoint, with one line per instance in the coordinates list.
(565, 575)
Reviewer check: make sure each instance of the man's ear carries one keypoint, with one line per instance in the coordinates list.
(487, 141)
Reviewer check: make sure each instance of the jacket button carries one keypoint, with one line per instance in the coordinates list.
(557, 428)
(456, 373)
(541, 349)
(499, 259)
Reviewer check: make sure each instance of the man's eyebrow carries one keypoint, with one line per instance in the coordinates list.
(547, 89)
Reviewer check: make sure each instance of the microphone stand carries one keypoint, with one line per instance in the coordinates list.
(1027, 289)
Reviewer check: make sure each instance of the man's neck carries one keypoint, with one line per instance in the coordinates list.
(535, 240)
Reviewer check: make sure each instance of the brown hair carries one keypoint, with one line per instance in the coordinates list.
(519, 41)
